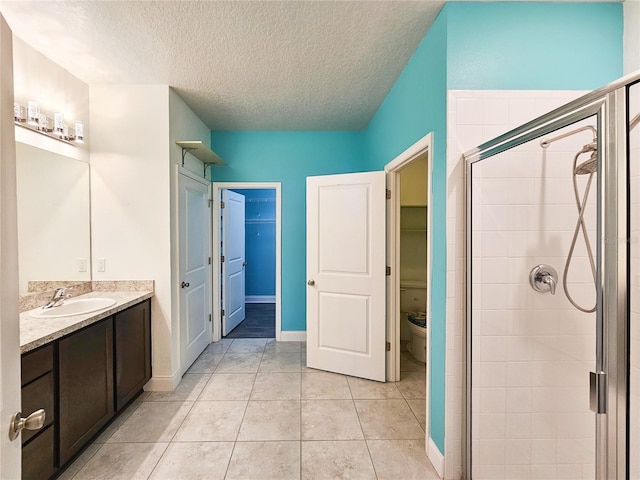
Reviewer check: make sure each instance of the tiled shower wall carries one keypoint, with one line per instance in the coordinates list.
(532, 351)
(634, 414)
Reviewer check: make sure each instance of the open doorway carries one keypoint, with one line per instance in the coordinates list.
(259, 265)
(249, 292)
(409, 240)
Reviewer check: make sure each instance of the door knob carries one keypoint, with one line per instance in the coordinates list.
(185, 284)
(311, 283)
(244, 264)
(35, 421)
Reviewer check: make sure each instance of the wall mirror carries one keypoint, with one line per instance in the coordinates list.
(53, 218)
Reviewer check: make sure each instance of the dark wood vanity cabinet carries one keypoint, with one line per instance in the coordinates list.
(132, 330)
(38, 391)
(85, 370)
(82, 380)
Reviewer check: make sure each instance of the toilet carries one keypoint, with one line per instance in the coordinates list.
(413, 302)
(417, 324)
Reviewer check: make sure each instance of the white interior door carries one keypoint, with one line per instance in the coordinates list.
(233, 254)
(194, 270)
(346, 294)
(10, 451)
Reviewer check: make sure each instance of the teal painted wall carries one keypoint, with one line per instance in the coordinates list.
(533, 46)
(415, 106)
(288, 157)
(260, 241)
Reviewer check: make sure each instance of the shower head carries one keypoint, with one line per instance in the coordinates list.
(591, 164)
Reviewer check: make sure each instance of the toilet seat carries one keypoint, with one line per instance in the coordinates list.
(419, 319)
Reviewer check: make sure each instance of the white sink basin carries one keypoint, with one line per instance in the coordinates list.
(74, 306)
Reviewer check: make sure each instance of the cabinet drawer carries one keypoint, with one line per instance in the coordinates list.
(38, 394)
(37, 457)
(37, 363)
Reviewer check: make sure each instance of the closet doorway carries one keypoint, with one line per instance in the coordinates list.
(246, 245)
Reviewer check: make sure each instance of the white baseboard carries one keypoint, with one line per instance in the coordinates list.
(163, 383)
(260, 299)
(435, 457)
(293, 336)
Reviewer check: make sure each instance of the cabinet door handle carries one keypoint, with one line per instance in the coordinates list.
(35, 421)
(185, 284)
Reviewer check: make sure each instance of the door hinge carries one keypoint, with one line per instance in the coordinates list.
(388, 347)
(209, 202)
(209, 260)
(221, 258)
(209, 317)
(598, 392)
(388, 271)
(388, 194)
(221, 204)
(222, 312)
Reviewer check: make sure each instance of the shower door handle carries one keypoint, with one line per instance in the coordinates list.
(598, 392)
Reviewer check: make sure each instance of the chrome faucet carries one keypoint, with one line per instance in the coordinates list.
(59, 296)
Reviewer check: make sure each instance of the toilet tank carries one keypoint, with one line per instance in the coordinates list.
(413, 298)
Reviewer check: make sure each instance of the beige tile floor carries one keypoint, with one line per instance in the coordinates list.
(251, 409)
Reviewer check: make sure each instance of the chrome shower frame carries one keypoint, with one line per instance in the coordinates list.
(610, 106)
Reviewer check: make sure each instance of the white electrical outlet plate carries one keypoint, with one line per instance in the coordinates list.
(102, 265)
(82, 264)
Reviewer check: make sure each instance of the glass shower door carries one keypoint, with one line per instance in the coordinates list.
(533, 319)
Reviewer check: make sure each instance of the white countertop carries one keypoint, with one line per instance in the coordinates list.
(35, 332)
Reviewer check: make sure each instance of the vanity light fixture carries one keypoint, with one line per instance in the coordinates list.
(19, 113)
(79, 135)
(58, 124)
(33, 119)
(33, 115)
(45, 124)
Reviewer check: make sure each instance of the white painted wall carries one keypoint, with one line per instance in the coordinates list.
(474, 117)
(183, 125)
(133, 201)
(130, 202)
(631, 10)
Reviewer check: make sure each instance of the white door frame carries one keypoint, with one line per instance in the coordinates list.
(392, 169)
(10, 400)
(179, 170)
(217, 187)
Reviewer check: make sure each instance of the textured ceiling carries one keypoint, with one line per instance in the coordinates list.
(268, 65)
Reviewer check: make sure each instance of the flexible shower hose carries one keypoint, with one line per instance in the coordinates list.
(580, 226)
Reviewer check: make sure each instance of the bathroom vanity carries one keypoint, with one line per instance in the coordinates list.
(83, 370)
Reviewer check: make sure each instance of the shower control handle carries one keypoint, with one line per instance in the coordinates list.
(549, 280)
(544, 278)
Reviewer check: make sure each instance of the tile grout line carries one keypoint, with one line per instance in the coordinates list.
(193, 403)
(364, 437)
(246, 407)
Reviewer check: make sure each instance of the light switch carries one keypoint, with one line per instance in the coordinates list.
(102, 265)
(82, 264)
